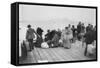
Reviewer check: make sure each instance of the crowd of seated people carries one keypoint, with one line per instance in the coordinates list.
(62, 38)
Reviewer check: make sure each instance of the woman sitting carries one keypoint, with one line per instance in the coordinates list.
(54, 39)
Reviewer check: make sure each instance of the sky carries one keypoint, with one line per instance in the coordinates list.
(52, 17)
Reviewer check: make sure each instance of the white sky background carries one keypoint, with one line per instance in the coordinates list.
(51, 17)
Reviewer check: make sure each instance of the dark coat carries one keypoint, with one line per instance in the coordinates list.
(78, 28)
(90, 36)
(30, 34)
(39, 31)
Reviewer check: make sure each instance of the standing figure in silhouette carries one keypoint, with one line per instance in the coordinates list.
(79, 30)
(74, 33)
(30, 36)
(90, 37)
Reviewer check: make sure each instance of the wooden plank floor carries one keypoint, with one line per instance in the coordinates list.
(58, 54)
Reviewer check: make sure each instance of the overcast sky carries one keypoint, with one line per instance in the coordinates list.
(50, 17)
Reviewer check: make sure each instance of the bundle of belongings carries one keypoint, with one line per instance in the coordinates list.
(44, 45)
(91, 49)
(22, 50)
(26, 43)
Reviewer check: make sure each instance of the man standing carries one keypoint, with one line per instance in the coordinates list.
(30, 36)
(79, 30)
(89, 39)
(74, 33)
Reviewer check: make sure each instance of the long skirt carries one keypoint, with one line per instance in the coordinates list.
(66, 43)
(70, 36)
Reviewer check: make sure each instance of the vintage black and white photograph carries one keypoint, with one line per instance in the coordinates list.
(56, 34)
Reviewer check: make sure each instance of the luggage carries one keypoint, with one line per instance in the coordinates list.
(22, 50)
(27, 45)
(91, 49)
(44, 45)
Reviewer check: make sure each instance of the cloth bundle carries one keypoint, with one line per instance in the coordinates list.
(91, 49)
(44, 45)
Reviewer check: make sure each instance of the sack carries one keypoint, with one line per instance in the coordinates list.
(27, 45)
(44, 45)
(91, 49)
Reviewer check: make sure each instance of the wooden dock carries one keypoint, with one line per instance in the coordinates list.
(40, 55)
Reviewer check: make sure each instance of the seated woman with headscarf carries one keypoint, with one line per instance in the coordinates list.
(53, 39)
(39, 40)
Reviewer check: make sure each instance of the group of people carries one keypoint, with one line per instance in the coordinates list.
(63, 38)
